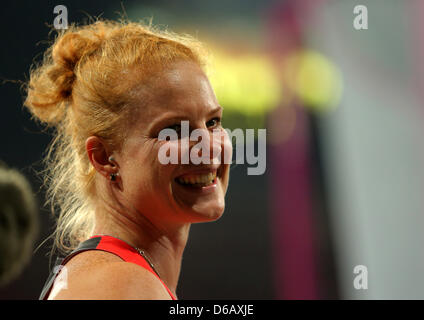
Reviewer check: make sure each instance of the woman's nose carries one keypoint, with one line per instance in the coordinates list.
(206, 146)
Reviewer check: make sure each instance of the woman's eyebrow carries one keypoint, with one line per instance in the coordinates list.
(215, 110)
(169, 118)
(166, 119)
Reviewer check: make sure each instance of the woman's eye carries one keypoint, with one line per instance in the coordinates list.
(175, 127)
(213, 122)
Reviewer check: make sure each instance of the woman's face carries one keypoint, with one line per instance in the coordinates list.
(175, 193)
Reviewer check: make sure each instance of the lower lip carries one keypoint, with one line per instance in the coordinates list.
(203, 190)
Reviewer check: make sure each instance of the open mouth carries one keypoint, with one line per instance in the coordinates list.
(198, 180)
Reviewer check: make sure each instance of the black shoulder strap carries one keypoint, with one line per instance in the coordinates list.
(89, 244)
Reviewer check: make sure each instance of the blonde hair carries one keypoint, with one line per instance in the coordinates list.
(87, 85)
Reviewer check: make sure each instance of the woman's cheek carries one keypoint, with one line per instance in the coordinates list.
(168, 152)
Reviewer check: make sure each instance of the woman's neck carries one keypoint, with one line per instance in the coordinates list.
(163, 248)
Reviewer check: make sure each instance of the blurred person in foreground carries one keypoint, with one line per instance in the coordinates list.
(109, 89)
(18, 223)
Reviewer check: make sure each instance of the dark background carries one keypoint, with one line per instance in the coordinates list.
(230, 258)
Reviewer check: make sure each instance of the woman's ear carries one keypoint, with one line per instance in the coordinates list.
(99, 156)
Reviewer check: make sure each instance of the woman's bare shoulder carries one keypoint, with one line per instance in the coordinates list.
(97, 275)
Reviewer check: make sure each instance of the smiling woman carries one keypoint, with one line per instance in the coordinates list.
(108, 89)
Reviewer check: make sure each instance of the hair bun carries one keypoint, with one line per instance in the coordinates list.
(68, 51)
(66, 54)
(50, 85)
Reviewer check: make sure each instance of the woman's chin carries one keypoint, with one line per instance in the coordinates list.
(204, 211)
(209, 214)
(200, 205)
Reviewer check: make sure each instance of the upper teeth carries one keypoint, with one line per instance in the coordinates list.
(198, 178)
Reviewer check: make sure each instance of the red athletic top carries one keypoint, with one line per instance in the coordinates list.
(108, 244)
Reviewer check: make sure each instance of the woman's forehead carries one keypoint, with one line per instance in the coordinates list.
(180, 79)
(185, 87)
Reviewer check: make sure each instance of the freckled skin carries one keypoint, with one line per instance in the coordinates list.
(146, 207)
(183, 91)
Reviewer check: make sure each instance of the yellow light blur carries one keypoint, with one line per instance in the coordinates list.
(315, 80)
(252, 85)
(245, 83)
